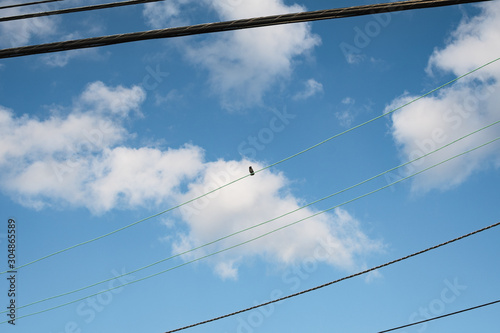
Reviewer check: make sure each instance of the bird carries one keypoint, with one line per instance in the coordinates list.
(251, 171)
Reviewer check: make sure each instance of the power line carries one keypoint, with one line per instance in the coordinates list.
(335, 281)
(145, 1)
(273, 231)
(439, 317)
(260, 224)
(241, 178)
(29, 4)
(75, 10)
(229, 26)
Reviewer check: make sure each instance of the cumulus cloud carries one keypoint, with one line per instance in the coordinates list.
(456, 111)
(333, 238)
(77, 159)
(472, 44)
(81, 160)
(244, 64)
(136, 176)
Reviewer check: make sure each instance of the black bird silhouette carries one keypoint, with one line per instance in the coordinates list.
(251, 171)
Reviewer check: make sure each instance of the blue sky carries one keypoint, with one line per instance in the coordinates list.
(94, 140)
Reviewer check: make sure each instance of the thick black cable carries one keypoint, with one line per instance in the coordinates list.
(229, 26)
(335, 281)
(29, 4)
(442, 316)
(75, 9)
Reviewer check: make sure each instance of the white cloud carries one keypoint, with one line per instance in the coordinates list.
(353, 58)
(227, 269)
(28, 137)
(76, 160)
(244, 64)
(136, 176)
(172, 96)
(333, 238)
(473, 43)
(456, 111)
(312, 87)
(119, 100)
(81, 160)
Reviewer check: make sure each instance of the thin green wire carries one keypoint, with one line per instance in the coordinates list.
(381, 116)
(261, 236)
(269, 166)
(260, 224)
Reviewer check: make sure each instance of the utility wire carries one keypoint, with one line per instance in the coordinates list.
(275, 230)
(257, 225)
(29, 4)
(269, 166)
(439, 317)
(229, 26)
(335, 281)
(75, 9)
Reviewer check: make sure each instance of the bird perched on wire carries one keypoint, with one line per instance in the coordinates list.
(251, 171)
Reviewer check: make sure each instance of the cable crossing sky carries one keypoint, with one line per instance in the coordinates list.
(75, 10)
(98, 140)
(229, 26)
(29, 4)
(443, 316)
(260, 224)
(335, 281)
(247, 175)
(278, 229)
